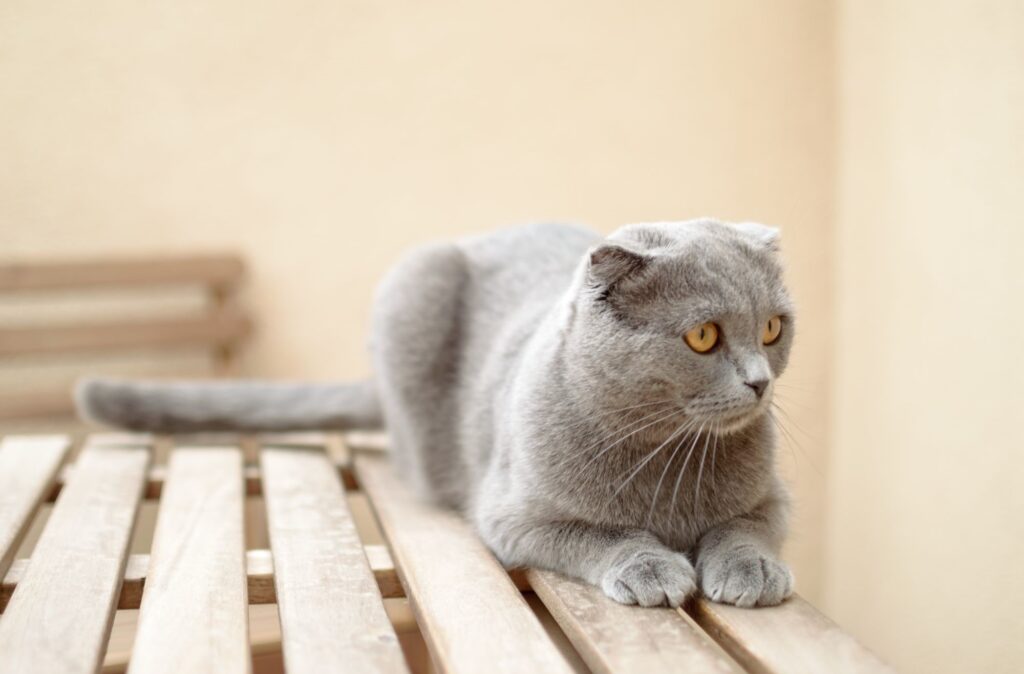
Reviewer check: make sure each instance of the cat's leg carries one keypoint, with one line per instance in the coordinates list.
(631, 565)
(738, 561)
(414, 348)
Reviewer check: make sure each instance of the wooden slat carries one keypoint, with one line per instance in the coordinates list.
(793, 638)
(193, 613)
(220, 327)
(214, 270)
(611, 637)
(59, 619)
(28, 465)
(259, 567)
(332, 614)
(471, 614)
(264, 635)
(264, 639)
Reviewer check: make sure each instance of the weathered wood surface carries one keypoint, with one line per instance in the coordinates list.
(213, 270)
(611, 637)
(473, 617)
(332, 613)
(225, 326)
(59, 619)
(221, 328)
(194, 611)
(56, 608)
(794, 638)
(28, 466)
(158, 474)
(259, 566)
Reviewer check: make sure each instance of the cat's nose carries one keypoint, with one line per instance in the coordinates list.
(759, 385)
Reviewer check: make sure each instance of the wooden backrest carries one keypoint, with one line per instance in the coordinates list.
(219, 328)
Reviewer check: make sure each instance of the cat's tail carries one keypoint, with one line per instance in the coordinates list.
(194, 406)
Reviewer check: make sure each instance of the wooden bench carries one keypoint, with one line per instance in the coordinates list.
(219, 327)
(195, 585)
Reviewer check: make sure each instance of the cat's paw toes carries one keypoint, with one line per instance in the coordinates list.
(651, 578)
(746, 578)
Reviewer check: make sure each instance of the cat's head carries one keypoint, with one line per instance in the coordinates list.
(690, 312)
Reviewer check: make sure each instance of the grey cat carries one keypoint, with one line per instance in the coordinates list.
(598, 407)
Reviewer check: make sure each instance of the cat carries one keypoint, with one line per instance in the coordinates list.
(596, 407)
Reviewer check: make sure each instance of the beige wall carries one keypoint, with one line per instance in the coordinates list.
(926, 525)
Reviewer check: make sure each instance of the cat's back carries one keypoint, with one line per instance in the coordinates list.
(519, 263)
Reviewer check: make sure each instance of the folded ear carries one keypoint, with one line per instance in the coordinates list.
(765, 235)
(610, 263)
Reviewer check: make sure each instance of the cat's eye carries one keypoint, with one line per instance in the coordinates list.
(702, 338)
(772, 330)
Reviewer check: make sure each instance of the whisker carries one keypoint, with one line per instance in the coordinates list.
(619, 410)
(622, 439)
(679, 479)
(700, 472)
(633, 407)
(597, 422)
(648, 459)
(789, 419)
(783, 432)
(782, 427)
(668, 464)
(617, 431)
(780, 395)
(631, 424)
(714, 454)
(792, 441)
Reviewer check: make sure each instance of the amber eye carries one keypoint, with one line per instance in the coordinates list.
(772, 330)
(702, 338)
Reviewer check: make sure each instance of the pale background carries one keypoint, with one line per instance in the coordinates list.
(321, 139)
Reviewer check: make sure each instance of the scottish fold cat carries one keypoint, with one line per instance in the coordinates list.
(594, 406)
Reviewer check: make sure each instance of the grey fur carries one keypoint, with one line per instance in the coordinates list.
(536, 379)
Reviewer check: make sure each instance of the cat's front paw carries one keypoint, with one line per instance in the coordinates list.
(746, 577)
(651, 578)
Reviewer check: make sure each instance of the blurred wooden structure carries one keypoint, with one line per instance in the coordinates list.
(221, 326)
(329, 577)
